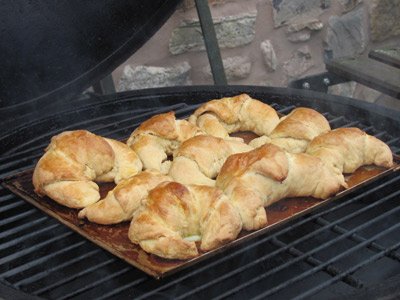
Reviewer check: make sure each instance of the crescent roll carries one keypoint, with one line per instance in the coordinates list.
(121, 203)
(175, 215)
(296, 130)
(156, 139)
(74, 160)
(347, 149)
(256, 179)
(199, 159)
(240, 113)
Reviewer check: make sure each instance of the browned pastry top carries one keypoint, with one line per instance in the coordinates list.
(222, 116)
(165, 126)
(302, 123)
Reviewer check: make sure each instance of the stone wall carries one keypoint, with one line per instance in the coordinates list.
(265, 42)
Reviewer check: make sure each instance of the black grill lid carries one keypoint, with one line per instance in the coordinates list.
(55, 49)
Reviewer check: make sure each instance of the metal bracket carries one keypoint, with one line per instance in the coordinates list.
(104, 86)
(318, 82)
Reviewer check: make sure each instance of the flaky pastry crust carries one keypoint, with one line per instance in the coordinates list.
(296, 130)
(174, 213)
(199, 159)
(156, 139)
(256, 179)
(240, 113)
(74, 160)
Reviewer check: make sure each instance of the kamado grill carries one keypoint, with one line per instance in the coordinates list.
(347, 248)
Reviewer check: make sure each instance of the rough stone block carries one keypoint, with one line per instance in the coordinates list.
(236, 67)
(231, 31)
(269, 55)
(300, 62)
(311, 24)
(286, 12)
(384, 19)
(299, 37)
(346, 34)
(141, 77)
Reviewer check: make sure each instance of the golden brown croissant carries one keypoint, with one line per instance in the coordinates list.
(346, 149)
(240, 113)
(296, 130)
(120, 204)
(258, 178)
(199, 159)
(74, 160)
(175, 215)
(155, 139)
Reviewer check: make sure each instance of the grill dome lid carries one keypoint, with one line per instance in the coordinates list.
(56, 49)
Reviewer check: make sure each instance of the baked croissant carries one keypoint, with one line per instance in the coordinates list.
(120, 204)
(295, 131)
(174, 216)
(346, 149)
(240, 113)
(74, 160)
(156, 139)
(199, 159)
(258, 178)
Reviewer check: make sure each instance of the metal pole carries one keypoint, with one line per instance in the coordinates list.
(211, 42)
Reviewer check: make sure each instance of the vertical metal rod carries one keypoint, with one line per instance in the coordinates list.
(211, 42)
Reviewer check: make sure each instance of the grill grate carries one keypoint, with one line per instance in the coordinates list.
(319, 255)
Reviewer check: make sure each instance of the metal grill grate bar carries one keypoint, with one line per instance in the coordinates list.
(48, 272)
(16, 241)
(380, 134)
(336, 119)
(269, 237)
(33, 248)
(392, 141)
(94, 284)
(286, 109)
(122, 288)
(6, 196)
(357, 238)
(19, 228)
(341, 255)
(352, 124)
(323, 246)
(292, 244)
(367, 128)
(331, 270)
(18, 217)
(77, 275)
(350, 270)
(40, 260)
(12, 205)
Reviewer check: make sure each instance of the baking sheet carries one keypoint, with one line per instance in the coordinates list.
(114, 238)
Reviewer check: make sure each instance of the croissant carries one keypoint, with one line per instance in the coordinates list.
(199, 159)
(174, 216)
(74, 160)
(240, 113)
(121, 203)
(156, 139)
(258, 178)
(295, 131)
(346, 149)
